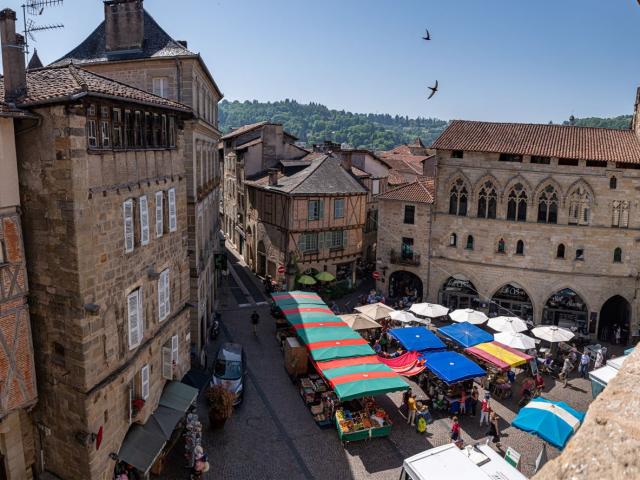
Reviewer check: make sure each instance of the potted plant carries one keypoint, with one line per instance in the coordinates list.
(137, 406)
(220, 405)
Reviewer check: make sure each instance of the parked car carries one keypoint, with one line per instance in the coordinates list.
(229, 369)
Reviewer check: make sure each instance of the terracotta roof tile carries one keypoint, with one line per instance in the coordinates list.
(396, 178)
(583, 143)
(243, 129)
(421, 191)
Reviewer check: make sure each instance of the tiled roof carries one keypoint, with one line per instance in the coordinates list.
(584, 143)
(51, 85)
(396, 178)
(406, 163)
(420, 191)
(243, 129)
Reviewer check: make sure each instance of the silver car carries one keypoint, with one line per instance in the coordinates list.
(229, 369)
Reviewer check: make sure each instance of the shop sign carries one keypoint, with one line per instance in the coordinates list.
(461, 285)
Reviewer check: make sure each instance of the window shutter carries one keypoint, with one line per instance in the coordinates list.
(133, 309)
(320, 239)
(144, 382)
(140, 315)
(174, 350)
(173, 220)
(167, 367)
(624, 214)
(167, 293)
(144, 220)
(615, 221)
(127, 207)
(159, 225)
(320, 209)
(162, 314)
(345, 236)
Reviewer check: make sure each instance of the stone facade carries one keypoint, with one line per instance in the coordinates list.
(82, 278)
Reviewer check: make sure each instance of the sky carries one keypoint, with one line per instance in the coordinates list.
(495, 60)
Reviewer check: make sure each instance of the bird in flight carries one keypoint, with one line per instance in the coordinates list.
(433, 89)
(428, 35)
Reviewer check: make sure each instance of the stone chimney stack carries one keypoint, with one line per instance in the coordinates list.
(273, 177)
(15, 77)
(635, 124)
(124, 25)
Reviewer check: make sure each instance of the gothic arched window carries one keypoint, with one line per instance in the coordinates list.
(501, 246)
(613, 183)
(487, 201)
(560, 251)
(548, 205)
(579, 206)
(458, 198)
(517, 204)
(520, 248)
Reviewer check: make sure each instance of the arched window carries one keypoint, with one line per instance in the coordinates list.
(520, 248)
(458, 197)
(613, 183)
(487, 201)
(501, 246)
(548, 206)
(517, 204)
(617, 255)
(620, 212)
(560, 251)
(469, 242)
(453, 240)
(579, 206)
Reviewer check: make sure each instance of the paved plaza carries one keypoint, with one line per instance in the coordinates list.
(273, 436)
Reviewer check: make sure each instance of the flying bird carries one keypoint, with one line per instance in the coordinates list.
(428, 35)
(434, 89)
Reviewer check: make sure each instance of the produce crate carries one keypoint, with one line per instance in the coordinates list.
(358, 435)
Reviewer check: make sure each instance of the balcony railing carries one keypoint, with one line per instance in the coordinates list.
(404, 259)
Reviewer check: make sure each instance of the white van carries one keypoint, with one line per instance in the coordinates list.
(474, 462)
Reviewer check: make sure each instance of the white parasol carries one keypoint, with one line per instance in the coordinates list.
(377, 311)
(515, 340)
(357, 321)
(553, 334)
(468, 315)
(431, 310)
(403, 316)
(508, 324)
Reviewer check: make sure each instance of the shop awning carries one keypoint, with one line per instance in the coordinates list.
(335, 349)
(465, 334)
(322, 332)
(296, 296)
(499, 355)
(417, 339)
(178, 396)
(408, 364)
(141, 447)
(360, 377)
(452, 367)
(164, 421)
(310, 317)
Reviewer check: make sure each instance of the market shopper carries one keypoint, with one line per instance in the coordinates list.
(599, 359)
(584, 364)
(463, 402)
(474, 400)
(412, 409)
(455, 432)
(567, 366)
(494, 429)
(485, 408)
(255, 318)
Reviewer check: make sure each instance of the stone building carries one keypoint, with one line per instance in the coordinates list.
(309, 221)
(103, 191)
(17, 374)
(409, 162)
(130, 47)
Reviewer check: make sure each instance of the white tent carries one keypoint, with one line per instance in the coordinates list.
(515, 340)
(431, 310)
(377, 311)
(508, 324)
(357, 321)
(468, 315)
(404, 317)
(553, 334)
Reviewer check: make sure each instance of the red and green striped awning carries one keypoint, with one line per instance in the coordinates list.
(324, 331)
(360, 377)
(292, 299)
(339, 348)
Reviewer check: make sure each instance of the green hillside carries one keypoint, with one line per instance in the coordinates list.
(621, 122)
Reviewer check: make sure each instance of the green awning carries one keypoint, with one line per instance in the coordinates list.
(178, 396)
(141, 447)
(164, 421)
(321, 334)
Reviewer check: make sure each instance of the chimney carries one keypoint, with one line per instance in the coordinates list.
(273, 177)
(635, 124)
(124, 25)
(15, 77)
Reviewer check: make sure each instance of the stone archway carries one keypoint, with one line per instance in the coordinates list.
(615, 312)
(567, 309)
(512, 300)
(459, 292)
(402, 282)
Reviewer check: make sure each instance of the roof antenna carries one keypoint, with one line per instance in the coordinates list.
(35, 8)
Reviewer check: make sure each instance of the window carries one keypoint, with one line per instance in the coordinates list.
(458, 197)
(160, 87)
(167, 364)
(144, 220)
(634, 166)
(148, 130)
(580, 254)
(127, 208)
(548, 206)
(487, 201)
(3, 255)
(338, 208)
(128, 129)
(579, 203)
(105, 127)
(309, 242)
(620, 212)
(315, 209)
(58, 354)
(407, 248)
(508, 157)
(597, 163)
(135, 316)
(138, 129)
(520, 247)
(117, 128)
(409, 214)
(144, 382)
(501, 246)
(159, 214)
(172, 131)
(469, 242)
(164, 295)
(92, 130)
(517, 204)
(337, 239)
(538, 160)
(156, 130)
(568, 162)
(613, 183)
(453, 240)
(457, 154)
(375, 187)
(174, 350)
(173, 218)
(560, 251)
(163, 131)
(617, 255)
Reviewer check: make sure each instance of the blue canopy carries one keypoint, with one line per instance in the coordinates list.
(629, 351)
(465, 334)
(417, 339)
(452, 367)
(554, 422)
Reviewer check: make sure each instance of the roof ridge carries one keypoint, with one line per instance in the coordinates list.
(145, 12)
(81, 82)
(546, 125)
(313, 168)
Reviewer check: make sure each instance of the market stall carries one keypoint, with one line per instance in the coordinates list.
(417, 339)
(362, 419)
(408, 364)
(498, 356)
(465, 335)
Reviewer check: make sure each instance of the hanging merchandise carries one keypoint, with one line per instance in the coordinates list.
(192, 439)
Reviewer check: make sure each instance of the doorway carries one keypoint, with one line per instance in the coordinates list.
(616, 312)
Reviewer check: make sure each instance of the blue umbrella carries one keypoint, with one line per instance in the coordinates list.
(554, 422)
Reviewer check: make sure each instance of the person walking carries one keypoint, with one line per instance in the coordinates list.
(255, 318)
(474, 400)
(618, 334)
(412, 408)
(463, 402)
(567, 366)
(584, 364)
(455, 433)
(494, 430)
(599, 359)
(485, 408)
(405, 399)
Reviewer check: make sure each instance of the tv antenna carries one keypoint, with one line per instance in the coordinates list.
(35, 8)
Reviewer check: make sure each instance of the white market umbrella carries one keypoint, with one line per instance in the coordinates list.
(431, 310)
(377, 311)
(469, 315)
(515, 340)
(508, 324)
(404, 317)
(357, 321)
(553, 334)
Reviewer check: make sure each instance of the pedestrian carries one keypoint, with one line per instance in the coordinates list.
(566, 368)
(485, 408)
(383, 341)
(255, 318)
(455, 432)
(405, 399)
(618, 334)
(474, 400)
(412, 408)
(463, 402)
(494, 429)
(599, 359)
(584, 364)
(376, 347)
